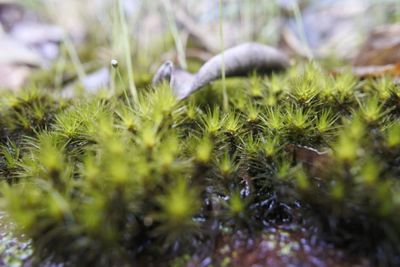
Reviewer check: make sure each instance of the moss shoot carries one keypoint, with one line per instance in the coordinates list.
(102, 181)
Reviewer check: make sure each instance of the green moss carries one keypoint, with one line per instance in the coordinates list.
(105, 182)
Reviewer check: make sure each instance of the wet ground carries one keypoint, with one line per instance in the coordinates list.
(14, 251)
(282, 248)
(276, 247)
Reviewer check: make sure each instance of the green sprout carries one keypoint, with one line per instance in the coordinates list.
(298, 117)
(274, 119)
(393, 135)
(371, 110)
(212, 122)
(325, 121)
(271, 146)
(204, 150)
(178, 206)
(226, 165)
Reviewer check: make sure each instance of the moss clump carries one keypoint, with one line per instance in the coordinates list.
(104, 182)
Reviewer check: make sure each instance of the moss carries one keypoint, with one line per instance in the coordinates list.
(106, 182)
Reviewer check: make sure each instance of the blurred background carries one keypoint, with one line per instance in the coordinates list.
(57, 42)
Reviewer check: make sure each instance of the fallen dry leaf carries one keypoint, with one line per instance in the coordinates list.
(18, 53)
(330, 28)
(382, 47)
(92, 83)
(377, 71)
(10, 14)
(379, 56)
(32, 33)
(14, 76)
(26, 43)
